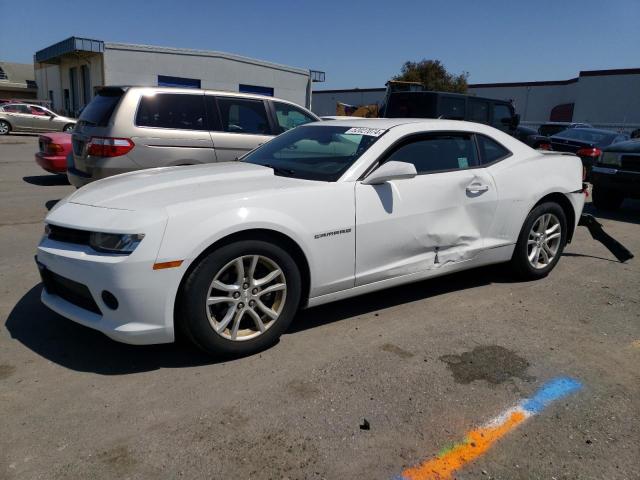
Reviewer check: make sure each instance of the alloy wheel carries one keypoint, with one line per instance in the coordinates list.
(544, 241)
(4, 128)
(246, 297)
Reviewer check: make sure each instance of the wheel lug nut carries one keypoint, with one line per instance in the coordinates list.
(254, 291)
(240, 306)
(236, 294)
(252, 303)
(245, 286)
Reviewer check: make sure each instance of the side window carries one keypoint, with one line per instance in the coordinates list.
(490, 150)
(241, 115)
(17, 109)
(289, 117)
(435, 153)
(37, 111)
(452, 107)
(501, 116)
(478, 111)
(171, 110)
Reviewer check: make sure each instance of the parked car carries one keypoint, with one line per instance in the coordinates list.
(54, 148)
(23, 117)
(551, 128)
(499, 114)
(532, 138)
(616, 175)
(131, 128)
(587, 143)
(228, 252)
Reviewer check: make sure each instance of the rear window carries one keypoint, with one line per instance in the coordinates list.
(594, 137)
(100, 109)
(412, 105)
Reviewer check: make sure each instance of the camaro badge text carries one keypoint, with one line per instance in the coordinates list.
(331, 234)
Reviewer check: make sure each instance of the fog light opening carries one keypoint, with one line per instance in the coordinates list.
(109, 300)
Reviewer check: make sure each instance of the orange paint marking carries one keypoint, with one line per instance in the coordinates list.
(475, 444)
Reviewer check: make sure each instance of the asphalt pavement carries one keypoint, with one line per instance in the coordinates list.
(473, 375)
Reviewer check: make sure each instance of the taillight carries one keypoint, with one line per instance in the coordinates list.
(545, 146)
(589, 152)
(109, 147)
(53, 148)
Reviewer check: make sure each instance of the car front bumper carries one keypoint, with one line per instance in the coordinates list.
(145, 297)
(623, 181)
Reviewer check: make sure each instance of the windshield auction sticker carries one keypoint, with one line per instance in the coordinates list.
(370, 132)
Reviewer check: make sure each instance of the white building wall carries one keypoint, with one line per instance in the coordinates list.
(133, 65)
(608, 99)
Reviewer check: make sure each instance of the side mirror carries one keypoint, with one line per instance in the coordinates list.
(391, 171)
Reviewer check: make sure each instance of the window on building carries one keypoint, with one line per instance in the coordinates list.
(289, 116)
(86, 84)
(3, 75)
(268, 91)
(490, 150)
(73, 86)
(437, 152)
(242, 115)
(169, 81)
(52, 104)
(172, 110)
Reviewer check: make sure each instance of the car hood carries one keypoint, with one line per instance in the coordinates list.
(162, 187)
(630, 146)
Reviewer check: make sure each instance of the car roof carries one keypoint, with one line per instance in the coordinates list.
(226, 93)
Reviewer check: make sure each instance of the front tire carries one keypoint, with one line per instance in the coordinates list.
(68, 128)
(5, 128)
(240, 298)
(541, 242)
(605, 199)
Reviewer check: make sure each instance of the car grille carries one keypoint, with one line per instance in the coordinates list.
(73, 292)
(69, 235)
(630, 163)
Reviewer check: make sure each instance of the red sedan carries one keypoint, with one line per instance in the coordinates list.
(54, 148)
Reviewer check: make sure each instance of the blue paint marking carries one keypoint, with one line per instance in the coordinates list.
(549, 392)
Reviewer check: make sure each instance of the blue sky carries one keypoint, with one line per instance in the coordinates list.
(358, 43)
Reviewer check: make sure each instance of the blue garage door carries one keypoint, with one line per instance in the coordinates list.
(167, 81)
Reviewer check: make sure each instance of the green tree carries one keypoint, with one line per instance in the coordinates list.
(433, 75)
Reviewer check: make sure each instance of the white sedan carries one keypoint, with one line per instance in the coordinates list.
(227, 253)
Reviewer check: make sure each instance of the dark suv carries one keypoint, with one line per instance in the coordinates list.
(499, 114)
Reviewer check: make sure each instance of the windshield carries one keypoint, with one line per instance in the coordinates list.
(315, 152)
(594, 137)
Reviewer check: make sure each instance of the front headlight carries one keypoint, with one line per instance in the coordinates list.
(610, 158)
(115, 242)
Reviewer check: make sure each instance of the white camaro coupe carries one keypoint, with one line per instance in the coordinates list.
(227, 253)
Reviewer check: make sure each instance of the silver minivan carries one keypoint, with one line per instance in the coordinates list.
(132, 128)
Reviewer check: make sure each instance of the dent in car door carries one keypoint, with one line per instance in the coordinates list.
(242, 124)
(413, 225)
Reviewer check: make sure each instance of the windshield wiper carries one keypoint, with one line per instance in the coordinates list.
(280, 171)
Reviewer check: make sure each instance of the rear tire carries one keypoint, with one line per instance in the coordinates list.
(541, 242)
(239, 298)
(5, 128)
(605, 199)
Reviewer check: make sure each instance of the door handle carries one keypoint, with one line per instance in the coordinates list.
(477, 188)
